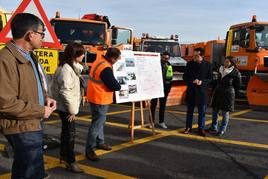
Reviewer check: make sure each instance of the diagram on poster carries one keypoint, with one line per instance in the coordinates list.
(140, 76)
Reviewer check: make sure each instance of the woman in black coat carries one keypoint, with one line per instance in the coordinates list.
(224, 94)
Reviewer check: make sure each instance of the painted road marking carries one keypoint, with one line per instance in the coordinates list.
(5, 176)
(226, 141)
(249, 120)
(103, 173)
(2, 147)
(52, 162)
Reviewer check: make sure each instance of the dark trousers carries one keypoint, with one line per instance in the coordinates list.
(196, 97)
(67, 138)
(28, 155)
(162, 109)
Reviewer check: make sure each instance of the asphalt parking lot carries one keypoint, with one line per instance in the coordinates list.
(241, 153)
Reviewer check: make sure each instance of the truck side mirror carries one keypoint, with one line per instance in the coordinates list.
(114, 42)
(114, 33)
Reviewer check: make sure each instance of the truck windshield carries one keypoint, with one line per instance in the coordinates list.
(262, 36)
(155, 46)
(81, 32)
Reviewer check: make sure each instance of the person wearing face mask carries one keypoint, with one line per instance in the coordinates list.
(224, 95)
(66, 90)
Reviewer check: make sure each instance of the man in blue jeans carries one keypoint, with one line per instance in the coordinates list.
(23, 99)
(101, 87)
(197, 75)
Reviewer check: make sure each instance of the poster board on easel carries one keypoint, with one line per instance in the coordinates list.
(140, 77)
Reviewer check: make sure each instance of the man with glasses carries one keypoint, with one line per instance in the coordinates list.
(167, 73)
(23, 96)
(197, 75)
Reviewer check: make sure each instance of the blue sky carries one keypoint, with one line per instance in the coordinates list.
(192, 20)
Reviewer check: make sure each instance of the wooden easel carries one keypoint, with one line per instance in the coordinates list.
(132, 126)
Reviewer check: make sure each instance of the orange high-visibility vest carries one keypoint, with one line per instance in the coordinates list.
(97, 92)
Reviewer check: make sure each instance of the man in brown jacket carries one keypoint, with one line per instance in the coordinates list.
(23, 99)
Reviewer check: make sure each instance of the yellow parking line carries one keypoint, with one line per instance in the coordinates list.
(52, 162)
(249, 120)
(52, 122)
(2, 147)
(86, 119)
(226, 141)
(120, 112)
(209, 115)
(126, 145)
(103, 173)
(240, 112)
(5, 176)
(121, 105)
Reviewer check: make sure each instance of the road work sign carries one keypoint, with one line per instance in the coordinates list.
(48, 59)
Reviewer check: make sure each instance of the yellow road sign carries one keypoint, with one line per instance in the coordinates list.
(48, 59)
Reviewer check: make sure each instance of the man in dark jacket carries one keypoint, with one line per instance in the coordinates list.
(198, 75)
(167, 73)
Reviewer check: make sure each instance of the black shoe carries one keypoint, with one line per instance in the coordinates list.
(221, 133)
(91, 155)
(104, 147)
(212, 131)
(74, 167)
(46, 175)
(202, 132)
(63, 159)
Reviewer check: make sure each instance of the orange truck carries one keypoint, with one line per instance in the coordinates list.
(94, 32)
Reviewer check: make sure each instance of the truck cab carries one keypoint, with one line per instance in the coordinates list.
(160, 45)
(248, 42)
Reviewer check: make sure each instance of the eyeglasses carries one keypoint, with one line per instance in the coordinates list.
(41, 33)
(166, 58)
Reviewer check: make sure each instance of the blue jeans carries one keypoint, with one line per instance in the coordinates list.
(28, 155)
(95, 132)
(224, 122)
(192, 99)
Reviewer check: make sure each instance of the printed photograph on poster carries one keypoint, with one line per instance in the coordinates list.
(123, 94)
(122, 80)
(131, 76)
(132, 89)
(120, 66)
(130, 62)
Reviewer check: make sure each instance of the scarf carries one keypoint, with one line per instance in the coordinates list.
(225, 71)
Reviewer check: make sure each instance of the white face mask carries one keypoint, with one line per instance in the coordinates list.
(78, 67)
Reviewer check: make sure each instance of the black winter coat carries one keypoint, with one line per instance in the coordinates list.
(201, 71)
(227, 88)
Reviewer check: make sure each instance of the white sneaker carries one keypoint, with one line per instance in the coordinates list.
(163, 125)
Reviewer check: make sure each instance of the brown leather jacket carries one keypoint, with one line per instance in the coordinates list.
(19, 105)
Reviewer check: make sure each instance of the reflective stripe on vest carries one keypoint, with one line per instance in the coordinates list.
(94, 73)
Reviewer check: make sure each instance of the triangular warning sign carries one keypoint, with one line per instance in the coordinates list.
(33, 7)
